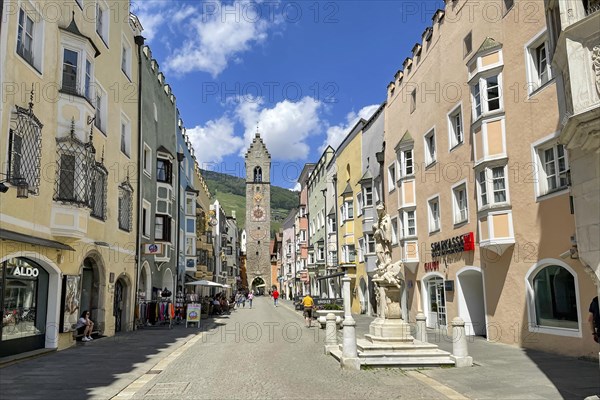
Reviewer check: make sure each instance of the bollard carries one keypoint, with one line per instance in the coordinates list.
(460, 351)
(421, 328)
(349, 358)
(330, 333)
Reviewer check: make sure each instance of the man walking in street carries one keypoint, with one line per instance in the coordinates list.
(308, 304)
(275, 297)
(594, 319)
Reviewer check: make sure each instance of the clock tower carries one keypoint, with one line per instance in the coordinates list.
(258, 216)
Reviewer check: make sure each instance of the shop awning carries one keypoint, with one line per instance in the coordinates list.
(204, 283)
(332, 275)
(19, 237)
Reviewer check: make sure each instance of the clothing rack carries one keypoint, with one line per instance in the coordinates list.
(156, 313)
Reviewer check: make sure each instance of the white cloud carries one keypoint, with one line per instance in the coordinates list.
(218, 36)
(285, 128)
(337, 133)
(215, 140)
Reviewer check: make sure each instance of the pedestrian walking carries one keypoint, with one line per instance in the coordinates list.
(594, 319)
(275, 297)
(308, 304)
(250, 297)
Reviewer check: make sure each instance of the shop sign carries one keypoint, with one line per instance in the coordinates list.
(25, 271)
(193, 312)
(153, 248)
(449, 286)
(432, 266)
(457, 244)
(304, 276)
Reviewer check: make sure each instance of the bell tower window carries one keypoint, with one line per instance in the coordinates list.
(257, 174)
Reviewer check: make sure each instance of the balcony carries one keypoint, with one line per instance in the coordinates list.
(69, 221)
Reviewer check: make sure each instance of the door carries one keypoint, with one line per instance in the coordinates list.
(437, 303)
(118, 305)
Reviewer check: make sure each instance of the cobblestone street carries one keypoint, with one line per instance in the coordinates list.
(267, 352)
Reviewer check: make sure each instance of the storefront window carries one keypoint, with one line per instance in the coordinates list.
(555, 298)
(23, 296)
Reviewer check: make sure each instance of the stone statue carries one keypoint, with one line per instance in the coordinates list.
(388, 277)
(382, 233)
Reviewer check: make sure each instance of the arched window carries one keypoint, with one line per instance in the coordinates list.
(257, 174)
(553, 291)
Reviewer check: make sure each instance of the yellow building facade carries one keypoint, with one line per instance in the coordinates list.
(348, 163)
(68, 134)
(477, 184)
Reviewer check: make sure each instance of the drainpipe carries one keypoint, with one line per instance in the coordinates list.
(180, 158)
(326, 238)
(337, 225)
(139, 41)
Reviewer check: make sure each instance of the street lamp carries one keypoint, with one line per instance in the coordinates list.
(20, 183)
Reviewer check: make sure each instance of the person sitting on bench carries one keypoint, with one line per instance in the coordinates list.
(85, 326)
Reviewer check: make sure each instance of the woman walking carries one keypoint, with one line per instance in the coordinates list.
(250, 297)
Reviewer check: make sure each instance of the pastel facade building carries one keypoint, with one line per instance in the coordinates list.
(71, 245)
(476, 181)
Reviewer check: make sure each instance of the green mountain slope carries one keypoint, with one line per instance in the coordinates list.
(231, 192)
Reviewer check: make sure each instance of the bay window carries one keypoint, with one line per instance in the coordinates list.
(486, 95)
(492, 185)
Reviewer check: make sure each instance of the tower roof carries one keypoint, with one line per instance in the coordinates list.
(257, 145)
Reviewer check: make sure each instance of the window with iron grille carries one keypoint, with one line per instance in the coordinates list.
(25, 143)
(76, 163)
(125, 206)
(98, 191)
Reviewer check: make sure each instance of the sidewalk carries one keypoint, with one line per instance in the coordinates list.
(502, 371)
(94, 370)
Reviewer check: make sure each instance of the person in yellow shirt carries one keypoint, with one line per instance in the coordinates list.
(308, 304)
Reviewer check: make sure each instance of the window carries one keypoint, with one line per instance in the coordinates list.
(492, 186)
(98, 192)
(554, 298)
(408, 162)
(413, 101)
(303, 235)
(102, 20)
(69, 75)
(29, 39)
(394, 230)
(349, 253)
(125, 137)
(459, 195)
(486, 95)
(434, 215)
(370, 242)
(163, 170)
(257, 174)
(320, 252)
(410, 227)
(101, 109)
(125, 206)
(147, 160)
(538, 67)
(146, 210)
(126, 59)
(348, 210)
(190, 246)
(88, 80)
(361, 250)
(162, 228)
(190, 205)
(455, 127)
(552, 169)
(25, 144)
(359, 204)
(368, 196)
(467, 44)
(430, 154)
(392, 177)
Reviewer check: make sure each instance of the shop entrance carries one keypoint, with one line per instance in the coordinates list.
(24, 304)
(90, 289)
(470, 300)
(435, 306)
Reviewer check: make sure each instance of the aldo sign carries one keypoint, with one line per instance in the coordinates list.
(30, 272)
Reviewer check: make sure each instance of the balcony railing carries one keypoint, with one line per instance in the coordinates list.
(593, 6)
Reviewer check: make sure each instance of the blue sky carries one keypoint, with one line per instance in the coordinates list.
(303, 70)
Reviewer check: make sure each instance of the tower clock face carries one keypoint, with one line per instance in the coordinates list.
(258, 213)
